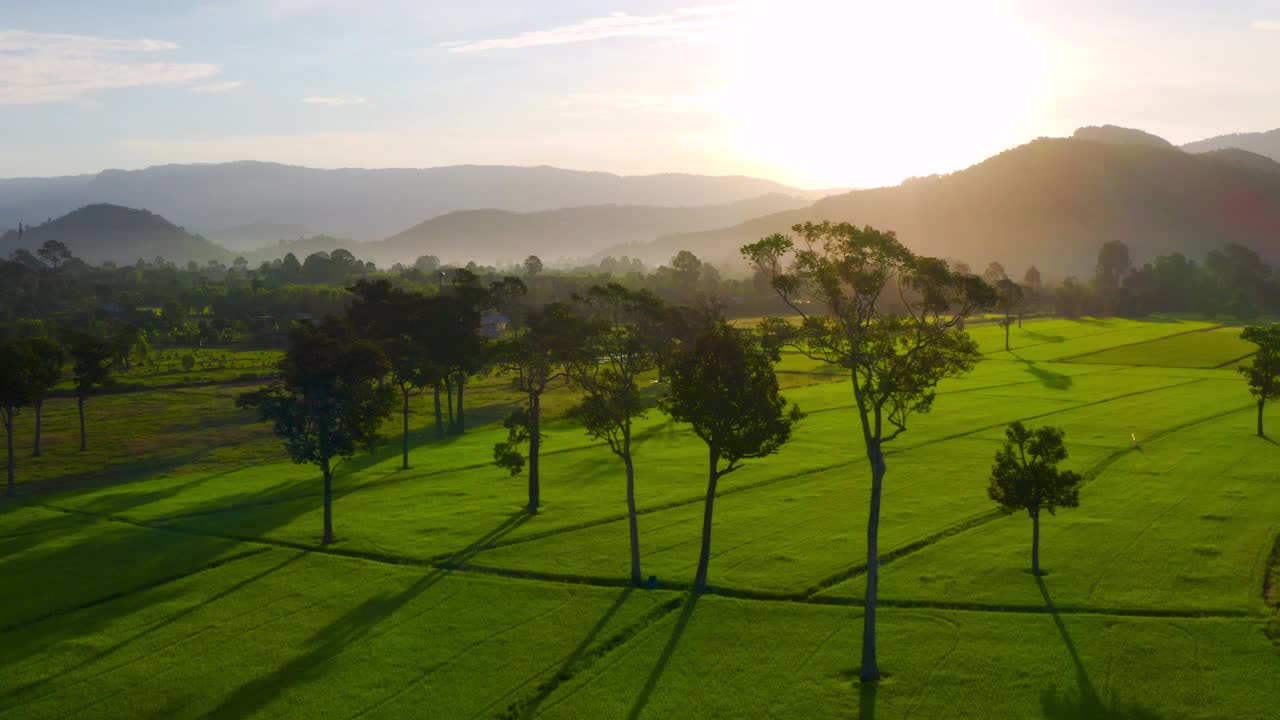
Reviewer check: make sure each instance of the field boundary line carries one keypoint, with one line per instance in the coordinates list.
(134, 590)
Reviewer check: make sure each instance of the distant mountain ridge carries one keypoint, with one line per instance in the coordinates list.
(1261, 143)
(247, 204)
(1051, 203)
(490, 235)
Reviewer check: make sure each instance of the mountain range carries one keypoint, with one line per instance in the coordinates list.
(1051, 202)
(245, 205)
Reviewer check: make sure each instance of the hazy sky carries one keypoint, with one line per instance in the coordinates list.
(813, 93)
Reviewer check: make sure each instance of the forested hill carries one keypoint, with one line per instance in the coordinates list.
(245, 205)
(102, 232)
(491, 235)
(1052, 203)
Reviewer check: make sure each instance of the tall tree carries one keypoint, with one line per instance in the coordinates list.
(551, 339)
(15, 394)
(397, 322)
(895, 357)
(1263, 372)
(532, 265)
(47, 358)
(90, 369)
(994, 273)
(1026, 477)
(723, 384)
(330, 402)
(1009, 299)
(626, 340)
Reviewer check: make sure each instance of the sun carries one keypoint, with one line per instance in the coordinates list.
(867, 93)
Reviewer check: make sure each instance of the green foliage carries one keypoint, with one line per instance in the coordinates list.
(507, 454)
(330, 402)
(723, 384)
(90, 361)
(1026, 475)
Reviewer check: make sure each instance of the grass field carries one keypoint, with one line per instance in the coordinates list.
(175, 569)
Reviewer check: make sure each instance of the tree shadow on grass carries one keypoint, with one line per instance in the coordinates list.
(676, 632)
(1086, 704)
(1040, 337)
(566, 669)
(149, 629)
(355, 625)
(867, 700)
(1048, 378)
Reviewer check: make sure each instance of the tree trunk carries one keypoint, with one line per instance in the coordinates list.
(12, 489)
(39, 408)
(448, 391)
(405, 436)
(1260, 405)
(1019, 319)
(439, 413)
(636, 577)
(870, 668)
(1035, 544)
(1006, 334)
(328, 502)
(700, 580)
(462, 420)
(535, 443)
(84, 443)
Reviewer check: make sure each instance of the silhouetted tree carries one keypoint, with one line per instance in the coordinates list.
(47, 358)
(90, 369)
(15, 394)
(724, 385)
(532, 265)
(1026, 477)
(331, 400)
(551, 339)
(688, 270)
(1263, 372)
(625, 341)
(895, 358)
(397, 322)
(994, 273)
(54, 254)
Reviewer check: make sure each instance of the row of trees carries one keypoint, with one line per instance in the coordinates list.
(30, 369)
(340, 378)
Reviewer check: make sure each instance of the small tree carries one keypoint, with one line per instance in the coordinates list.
(330, 403)
(724, 385)
(1008, 300)
(626, 340)
(90, 369)
(534, 356)
(47, 358)
(1026, 477)
(15, 394)
(895, 354)
(532, 265)
(1263, 373)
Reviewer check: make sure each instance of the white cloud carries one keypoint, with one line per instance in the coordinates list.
(52, 67)
(691, 23)
(333, 100)
(218, 87)
(1266, 24)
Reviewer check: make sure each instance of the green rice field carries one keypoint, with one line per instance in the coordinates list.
(175, 569)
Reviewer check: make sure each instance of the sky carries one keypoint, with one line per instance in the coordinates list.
(812, 93)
